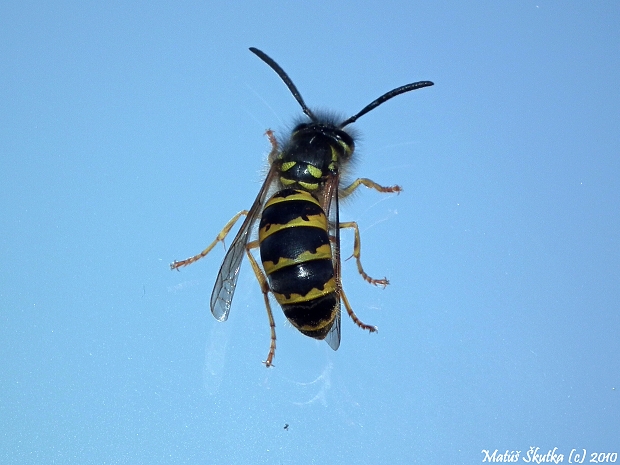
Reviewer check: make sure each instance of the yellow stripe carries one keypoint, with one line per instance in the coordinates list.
(298, 195)
(313, 221)
(322, 252)
(330, 286)
(320, 326)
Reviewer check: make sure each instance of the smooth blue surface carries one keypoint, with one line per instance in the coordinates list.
(131, 132)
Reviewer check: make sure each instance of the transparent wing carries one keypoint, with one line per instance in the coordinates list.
(224, 289)
(329, 202)
(226, 281)
(333, 337)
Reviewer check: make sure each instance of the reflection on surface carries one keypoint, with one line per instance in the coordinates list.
(325, 392)
(322, 383)
(215, 357)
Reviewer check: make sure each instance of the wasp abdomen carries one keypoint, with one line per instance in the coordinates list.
(297, 257)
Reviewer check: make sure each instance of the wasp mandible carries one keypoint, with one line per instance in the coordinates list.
(299, 225)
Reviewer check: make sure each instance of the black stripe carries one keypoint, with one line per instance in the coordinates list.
(302, 277)
(284, 193)
(291, 242)
(313, 313)
(285, 212)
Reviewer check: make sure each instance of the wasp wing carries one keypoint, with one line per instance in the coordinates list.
(226, 281)
(333, 336)
(329, 202)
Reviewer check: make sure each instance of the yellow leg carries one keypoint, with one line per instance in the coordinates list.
(264, 286)
(220, 238)
(371, 185)
(352, 314)
(357, 250)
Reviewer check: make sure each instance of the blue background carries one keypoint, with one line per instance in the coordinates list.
(131, 132)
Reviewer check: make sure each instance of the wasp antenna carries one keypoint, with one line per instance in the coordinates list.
(287, 80)
(384, 98)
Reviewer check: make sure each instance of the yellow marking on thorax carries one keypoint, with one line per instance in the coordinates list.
(309, 186)
(287, 165)
(314, 171)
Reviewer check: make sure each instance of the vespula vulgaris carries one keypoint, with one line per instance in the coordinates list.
(299, 225)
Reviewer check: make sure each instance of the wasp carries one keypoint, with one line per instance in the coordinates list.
(299, 225)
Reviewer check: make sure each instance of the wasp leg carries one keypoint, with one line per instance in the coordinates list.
(274, 145)
(352, 314)
(220, 238)
(371, 185)
(272, 139)
(264, 286)
(357, 250)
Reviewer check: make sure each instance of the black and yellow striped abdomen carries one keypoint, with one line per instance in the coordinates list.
(297, 258)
